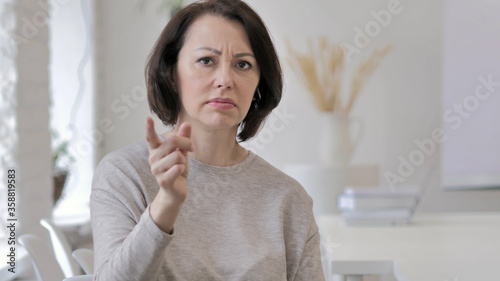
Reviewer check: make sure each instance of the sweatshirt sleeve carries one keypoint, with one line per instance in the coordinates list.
(302, 236)
(310, 265)
(128, 244)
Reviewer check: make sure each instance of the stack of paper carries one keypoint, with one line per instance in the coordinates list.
(378, 205)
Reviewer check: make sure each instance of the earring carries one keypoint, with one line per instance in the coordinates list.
(257, 94)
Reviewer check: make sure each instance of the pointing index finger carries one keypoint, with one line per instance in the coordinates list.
(153, 140)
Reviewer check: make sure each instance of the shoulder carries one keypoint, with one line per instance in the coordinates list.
(124, 176)
(124, 167)
(272, 173)
(295, 204)
(134, 156)
(276, 179)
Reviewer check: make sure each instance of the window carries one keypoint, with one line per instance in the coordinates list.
(72, 98)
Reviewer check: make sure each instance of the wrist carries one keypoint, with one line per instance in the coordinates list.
(164, 212)
(168, 198)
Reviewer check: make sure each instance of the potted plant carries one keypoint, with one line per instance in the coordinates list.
(61, 162)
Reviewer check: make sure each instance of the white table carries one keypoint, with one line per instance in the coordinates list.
(435, 247)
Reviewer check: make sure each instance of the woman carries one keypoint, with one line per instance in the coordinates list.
(192, 203)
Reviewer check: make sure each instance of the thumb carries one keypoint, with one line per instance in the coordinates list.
(185, 130)
(153, 140)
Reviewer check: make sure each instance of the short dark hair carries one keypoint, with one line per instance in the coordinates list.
(163, 98)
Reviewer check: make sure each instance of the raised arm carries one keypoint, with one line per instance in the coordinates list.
(170, 166)
(129, 246)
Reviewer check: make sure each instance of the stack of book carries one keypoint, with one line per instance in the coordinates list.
(378, 205)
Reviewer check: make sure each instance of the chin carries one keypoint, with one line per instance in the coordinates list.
(221, 123)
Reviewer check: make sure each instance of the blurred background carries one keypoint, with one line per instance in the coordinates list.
(72, 90)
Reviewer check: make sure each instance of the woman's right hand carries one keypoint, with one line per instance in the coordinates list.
(170, 166)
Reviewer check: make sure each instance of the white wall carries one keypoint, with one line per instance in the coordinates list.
(400, 104)
(125, 34)
(471, 156)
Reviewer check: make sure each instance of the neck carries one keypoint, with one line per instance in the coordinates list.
(216, 147)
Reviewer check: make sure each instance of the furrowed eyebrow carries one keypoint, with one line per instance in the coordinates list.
(220, 53)
(243, 55)
(210, 49)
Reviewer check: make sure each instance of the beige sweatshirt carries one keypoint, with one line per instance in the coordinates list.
(249, 221)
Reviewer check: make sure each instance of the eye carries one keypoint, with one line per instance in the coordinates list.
(243, 65)
(205, 60)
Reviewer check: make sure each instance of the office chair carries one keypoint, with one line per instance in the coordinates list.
(42, 257)
(85, 259)
(62, 249)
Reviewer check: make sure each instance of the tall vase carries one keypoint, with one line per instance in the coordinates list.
(338, 138)
(325, 180)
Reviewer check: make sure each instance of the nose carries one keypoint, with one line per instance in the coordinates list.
(223, 78)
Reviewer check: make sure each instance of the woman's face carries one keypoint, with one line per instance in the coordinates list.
(216, 74)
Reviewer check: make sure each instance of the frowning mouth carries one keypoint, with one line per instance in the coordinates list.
(222, 103)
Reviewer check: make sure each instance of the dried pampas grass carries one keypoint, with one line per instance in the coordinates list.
(321, 71)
